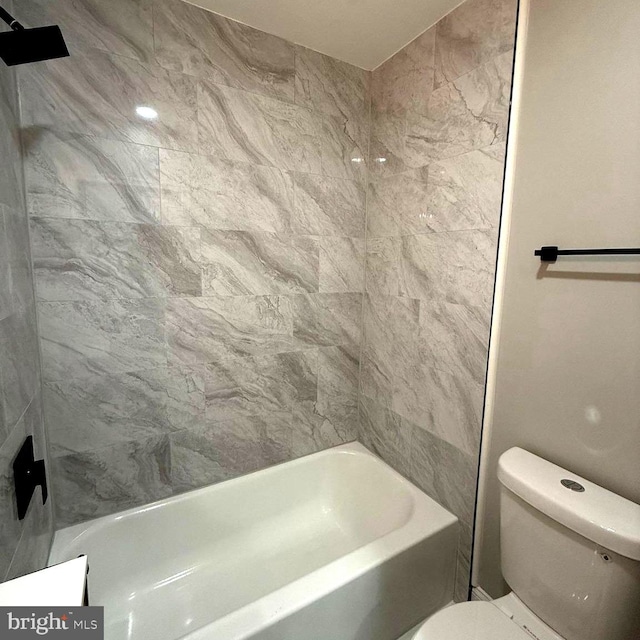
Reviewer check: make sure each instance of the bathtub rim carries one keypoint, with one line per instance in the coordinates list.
(67, 535)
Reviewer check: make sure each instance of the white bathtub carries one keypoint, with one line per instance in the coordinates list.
(333, 546)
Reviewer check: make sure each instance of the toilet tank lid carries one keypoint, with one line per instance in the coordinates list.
(595, 513)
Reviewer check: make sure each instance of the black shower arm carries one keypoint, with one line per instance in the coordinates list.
(10, 20)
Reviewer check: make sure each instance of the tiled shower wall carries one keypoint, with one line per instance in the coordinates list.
(199, 276)
(24, 545)
(439, 118)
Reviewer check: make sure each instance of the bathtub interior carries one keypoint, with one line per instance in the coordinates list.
(194, 559)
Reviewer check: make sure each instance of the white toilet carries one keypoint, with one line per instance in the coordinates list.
(571, 555)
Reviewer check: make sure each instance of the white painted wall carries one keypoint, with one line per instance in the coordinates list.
(362, 32)
(564, 378)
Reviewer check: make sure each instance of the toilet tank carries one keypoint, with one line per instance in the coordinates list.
(570, 550)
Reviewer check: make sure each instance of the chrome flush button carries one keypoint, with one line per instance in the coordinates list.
(572, 484)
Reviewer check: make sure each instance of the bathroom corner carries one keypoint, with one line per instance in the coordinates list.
(440, 108)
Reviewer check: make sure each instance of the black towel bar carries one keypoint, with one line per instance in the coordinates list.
(550, 254)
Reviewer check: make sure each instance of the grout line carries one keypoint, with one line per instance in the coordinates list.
(366, 251)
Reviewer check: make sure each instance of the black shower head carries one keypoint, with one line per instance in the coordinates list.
(32, 45)
(21, 45)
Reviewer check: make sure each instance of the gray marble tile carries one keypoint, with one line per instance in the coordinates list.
(256, 263)
(209, 191)
(398, 205)
(103, 481)
(486, 92)
(298, 374)
(443, 404)
(10, 527)
(391, 326)
(19, 256)
(119, 26)
(333, 417)
(339, 95)
(24, 543)
(405, 81)
(344, 146)
(453, 267)
(241, 386)
(463, 563)
(74, 176)
(465, 192)
(11, 183)
(328, 206)
(443, 472)
(470, 113)
(196, 460)
(341, 265)
(331, 86)
(98, 410)
(6, 297)
(410, 192)
(204, 330)
(201, 43)
(185, 401)
(19, 365)
(383, 264)
(312, 431)
(387, 144)
(455, 339)
(381, 213)
(327, 319)
(338, 382)
(32, 551)
(472, 34)
(110, 336)
(34, 424)
(84, 260)
(229, 449)
(376, 379)
(245, 127)
(384, 433)
(97, 94)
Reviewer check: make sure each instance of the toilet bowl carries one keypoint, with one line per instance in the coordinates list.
(570, 551)
(504, 619)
